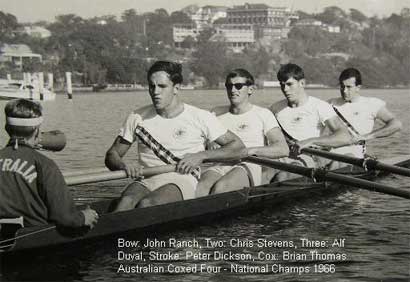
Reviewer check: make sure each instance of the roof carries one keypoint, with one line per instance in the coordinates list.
(17, 50)
(249, 6)
(37, 31)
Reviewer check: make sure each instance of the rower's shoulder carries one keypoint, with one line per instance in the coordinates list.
(336, 101)
(198, 114)
(278, 106)
(261, 111)
(144, 112)
(372, 100)
(220, 110)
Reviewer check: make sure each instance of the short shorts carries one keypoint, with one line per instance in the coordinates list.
(185, 182)
(253, 171)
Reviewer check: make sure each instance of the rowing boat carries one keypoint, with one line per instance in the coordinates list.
(140, 221)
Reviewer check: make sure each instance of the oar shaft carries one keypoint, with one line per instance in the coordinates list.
(367, 185)
(280, 165)
(333, 156)
(330, 176)
(372, 164)
(84, 171)
(115, 175)
(392, 168)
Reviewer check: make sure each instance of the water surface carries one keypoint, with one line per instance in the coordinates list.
(375, 227)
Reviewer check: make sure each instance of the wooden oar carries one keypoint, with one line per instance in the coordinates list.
(85, 171)
(370, 164)
(114, 175)
(321, 175)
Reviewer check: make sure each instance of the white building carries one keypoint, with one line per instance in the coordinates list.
(37, 31)
(259, 14)
(206, 15)
(317, 23)
(237, 37)
(181, 31)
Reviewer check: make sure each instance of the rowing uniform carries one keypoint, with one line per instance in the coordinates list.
(303, 122)
(186, 133)
(251, 127)
(361, 115)
(32, 186)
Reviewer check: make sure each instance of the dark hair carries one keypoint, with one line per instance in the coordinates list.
(174, 70)
(241, 73)
(290, 70)
(22, 108)
(349, 73)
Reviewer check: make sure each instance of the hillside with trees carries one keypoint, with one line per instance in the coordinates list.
(109, 50)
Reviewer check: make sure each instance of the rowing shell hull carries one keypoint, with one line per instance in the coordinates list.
(146, 220)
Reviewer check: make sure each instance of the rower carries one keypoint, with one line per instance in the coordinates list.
(304, 118)
(253, 124)
(168, 131)
(32, 185)
(359, 114)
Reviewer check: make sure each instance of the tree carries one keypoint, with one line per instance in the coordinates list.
(331, 15)
(159, 27)
(8, 24)
(129, 16)
(209, 61)
(357, 16)
(189, 42)
(180, 17)
(313, 39)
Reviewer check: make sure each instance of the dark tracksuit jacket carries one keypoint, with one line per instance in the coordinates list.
(32, 186)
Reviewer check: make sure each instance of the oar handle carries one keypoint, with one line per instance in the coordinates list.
(115, 175)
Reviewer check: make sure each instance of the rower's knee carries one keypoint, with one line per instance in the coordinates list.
(202, 189)
(280, 176)
(219, 187)
(131, 196)
(147, 202)
(126, 203)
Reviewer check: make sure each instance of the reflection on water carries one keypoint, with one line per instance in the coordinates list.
(375, 227)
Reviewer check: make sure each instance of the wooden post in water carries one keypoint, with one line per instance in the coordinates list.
(29, 82)
(69, 85)
(50, 82)
(41, 85)
(8, 78)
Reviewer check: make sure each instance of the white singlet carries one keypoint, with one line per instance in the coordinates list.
(361, 114)
(251, 127)
(186, 133)
(306, 121)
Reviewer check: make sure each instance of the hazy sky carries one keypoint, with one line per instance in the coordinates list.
(34, 10)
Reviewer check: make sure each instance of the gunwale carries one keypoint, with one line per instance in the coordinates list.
(207, 208)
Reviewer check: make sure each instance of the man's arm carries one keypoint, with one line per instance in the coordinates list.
(277, 146)
(391, 125)
(114, 158)
(231, 148)
(339, 136)
(60, 205)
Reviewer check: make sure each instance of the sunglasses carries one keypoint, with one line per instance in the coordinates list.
(238, 86)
